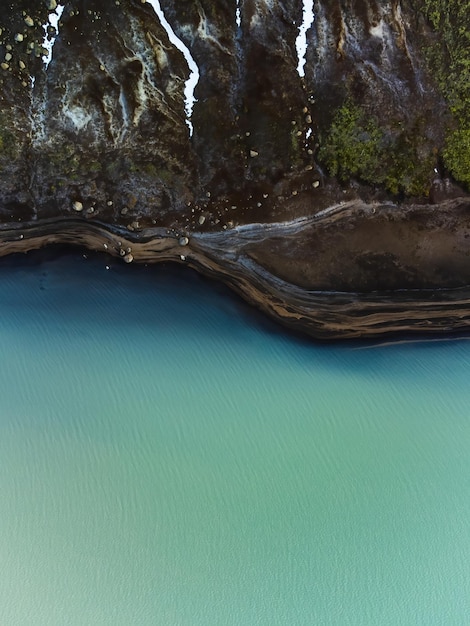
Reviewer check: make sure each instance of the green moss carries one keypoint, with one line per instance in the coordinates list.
(352, 145)
(356, 146)
(7, 142)
(457, 154)
(448, 57)
(94, 167)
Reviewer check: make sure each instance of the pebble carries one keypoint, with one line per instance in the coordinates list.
(253, 153)
(52, 5)
(77, 206)
(29, 21)
(19, 37)
(128, 258)
(183, 241)
(202, 219)
(4, 66)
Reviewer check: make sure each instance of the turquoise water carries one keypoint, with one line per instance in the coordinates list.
(166, 458)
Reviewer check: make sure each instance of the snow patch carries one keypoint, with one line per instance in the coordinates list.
(48, 41)
(378, 30)
(301, 42)
(190, 84)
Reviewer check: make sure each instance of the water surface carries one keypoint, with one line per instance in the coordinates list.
(169, 459)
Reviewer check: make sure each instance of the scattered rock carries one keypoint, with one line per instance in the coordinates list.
(253, 153)
(183, 241)
(29, 21)
(202, 219)
(135, 225)
(77, 206)
(128, 258)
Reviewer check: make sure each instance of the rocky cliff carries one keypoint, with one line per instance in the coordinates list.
(313, 155)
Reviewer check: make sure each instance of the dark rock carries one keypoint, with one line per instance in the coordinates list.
(109, 120)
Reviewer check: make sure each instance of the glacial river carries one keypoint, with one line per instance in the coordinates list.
(167, 458)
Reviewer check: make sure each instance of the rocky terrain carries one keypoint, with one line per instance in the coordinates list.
(313, 156)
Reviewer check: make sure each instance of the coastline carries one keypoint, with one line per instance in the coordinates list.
(228, 256)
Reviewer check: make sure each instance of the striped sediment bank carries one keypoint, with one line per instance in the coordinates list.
(233, 257)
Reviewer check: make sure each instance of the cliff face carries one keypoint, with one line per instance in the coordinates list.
(194, 117)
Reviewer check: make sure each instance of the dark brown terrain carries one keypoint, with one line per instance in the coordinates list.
(331, 198)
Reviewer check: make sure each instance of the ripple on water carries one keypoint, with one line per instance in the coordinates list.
(169, 459)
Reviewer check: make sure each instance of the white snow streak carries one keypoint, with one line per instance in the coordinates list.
(193, 79)
(48, 42)
(301, 41)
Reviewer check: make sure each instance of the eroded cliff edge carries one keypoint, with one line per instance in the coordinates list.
(316, 161)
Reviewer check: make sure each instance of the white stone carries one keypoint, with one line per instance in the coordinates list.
(183, 241)
(77, 206)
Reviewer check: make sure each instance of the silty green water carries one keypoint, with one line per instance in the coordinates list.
(167, 459)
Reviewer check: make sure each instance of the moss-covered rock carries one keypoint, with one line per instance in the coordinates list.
(357, 146)
(448, 57)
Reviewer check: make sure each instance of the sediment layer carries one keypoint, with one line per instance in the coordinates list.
(321, 313)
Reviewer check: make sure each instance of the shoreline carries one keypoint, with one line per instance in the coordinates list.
(321, 314)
